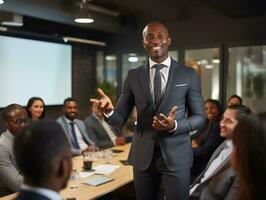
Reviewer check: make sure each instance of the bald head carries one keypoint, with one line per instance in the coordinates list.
(156, 41)
(10, 109)
(153, 25)
(15, 118)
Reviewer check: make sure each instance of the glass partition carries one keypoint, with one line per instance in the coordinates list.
(206, 62)
(130, 61)
(247, 75)
(111, 69)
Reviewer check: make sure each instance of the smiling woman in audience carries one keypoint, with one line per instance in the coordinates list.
(249, 156)
(36, 108)
(207, 140)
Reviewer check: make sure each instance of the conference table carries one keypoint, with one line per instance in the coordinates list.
(122, 176)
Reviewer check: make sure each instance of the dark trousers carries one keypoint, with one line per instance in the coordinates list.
(147, 183)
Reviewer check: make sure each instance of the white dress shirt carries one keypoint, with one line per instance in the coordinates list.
(164, 74)
(80, 139)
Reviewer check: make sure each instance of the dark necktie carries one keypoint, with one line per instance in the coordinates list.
(74, 135)
(157, 84)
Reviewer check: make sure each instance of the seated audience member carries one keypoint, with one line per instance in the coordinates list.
(36, 108)
(218, 180)
(234, 100)
(208, 139)
(104, 135)
(249, 157)
(15, 119)
(43, 155)
(74, 128)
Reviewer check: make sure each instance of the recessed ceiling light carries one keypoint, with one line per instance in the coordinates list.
(208, 66)
(215, 61)
(133, 57)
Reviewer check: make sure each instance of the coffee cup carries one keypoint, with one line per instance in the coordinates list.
(87, 164)
(87, 161)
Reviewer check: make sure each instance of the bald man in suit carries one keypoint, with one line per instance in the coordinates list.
(162, 91)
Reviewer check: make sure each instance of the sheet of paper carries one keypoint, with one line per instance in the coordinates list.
(85, 174)
(105, 169)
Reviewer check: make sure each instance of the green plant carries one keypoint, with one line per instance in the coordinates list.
(108, 88)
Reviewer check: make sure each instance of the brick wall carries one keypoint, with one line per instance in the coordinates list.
(83, 80)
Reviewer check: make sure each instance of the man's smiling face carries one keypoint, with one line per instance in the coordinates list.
(156, 41)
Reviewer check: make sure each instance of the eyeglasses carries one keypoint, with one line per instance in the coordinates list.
(21, 121)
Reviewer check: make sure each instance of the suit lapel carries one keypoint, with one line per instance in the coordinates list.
(216, 153)
(100, 129)
(215, 156)
(172, 74)
(144, 77)
(68, 130)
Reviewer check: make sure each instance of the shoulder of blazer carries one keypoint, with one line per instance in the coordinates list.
(138, 69)
(91, 121)
(88, 120)
(80, 123)
(60, 119)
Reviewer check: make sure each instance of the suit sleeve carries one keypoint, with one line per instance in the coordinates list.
(231, 194)
(124, 105)
(8, 173)
(195, 107)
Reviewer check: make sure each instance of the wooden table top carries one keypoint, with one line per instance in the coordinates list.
(122, 176)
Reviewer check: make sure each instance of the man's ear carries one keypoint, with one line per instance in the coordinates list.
(143, 43)
(169, 41)
(5, 123)
(64, 167)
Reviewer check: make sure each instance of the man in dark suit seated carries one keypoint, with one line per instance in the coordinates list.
(43, 155)
(103, 135)
(15, 119)
(218, 180)
(74, 128)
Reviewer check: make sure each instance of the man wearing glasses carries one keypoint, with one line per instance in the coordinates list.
(15, 119)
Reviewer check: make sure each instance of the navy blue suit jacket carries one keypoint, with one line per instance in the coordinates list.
(27, 195)
(182, 90)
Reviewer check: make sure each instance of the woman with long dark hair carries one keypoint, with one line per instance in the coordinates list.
(249, 156)
(36, 108)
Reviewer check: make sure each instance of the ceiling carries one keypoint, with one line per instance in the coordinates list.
(56, 17)
(113, 16)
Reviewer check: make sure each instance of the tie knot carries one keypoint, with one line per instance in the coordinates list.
(158, 67)
(72, 123)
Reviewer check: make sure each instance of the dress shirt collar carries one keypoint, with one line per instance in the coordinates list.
(53, 195)
(69, 121)
(9, 135)
(229, 143)
(166, 62)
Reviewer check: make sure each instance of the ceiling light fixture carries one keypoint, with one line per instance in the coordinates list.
(10, 19)
(133, 57)
(84, 41)
(2, 1)
(83, 15)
